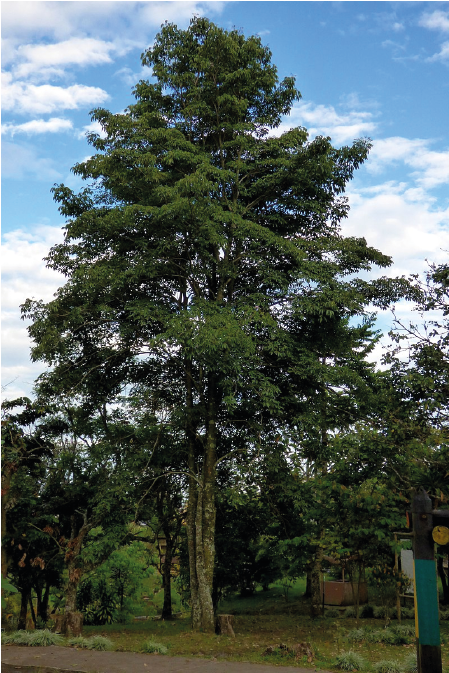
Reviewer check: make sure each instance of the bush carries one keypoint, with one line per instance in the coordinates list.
(151, 647)
(44, 638)
(99, 643)
(379, 612)
(404, 631)
(349, 661)
(408, 613)
(394, 635)
(78, 641)
(332, 613)
(444, 614)
(32, 638)
(411, 663)
(367, 611)
(356, 635)
(124, 617)
(387, 667)
(93, 643)
(349, 612)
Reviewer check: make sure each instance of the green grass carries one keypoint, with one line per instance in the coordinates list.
(255, 633)
(267, 619)
(97, 642)
(152, 647)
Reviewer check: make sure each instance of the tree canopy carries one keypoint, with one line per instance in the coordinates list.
(205, 264)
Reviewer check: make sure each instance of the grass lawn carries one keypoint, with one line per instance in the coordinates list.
(265, 619)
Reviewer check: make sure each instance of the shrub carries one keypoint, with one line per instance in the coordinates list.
(78, 641)
(7, 638)
(16, 638)
(99, 643)
(356, 635)
(32, 638)
(411, 663)
(367, 611)
(379, 612)
(150, 647)
(44, 638)
(387, 667)
(332, 613)
(390, 637)
(349, 612)
(444, 614)
(408, 613)
(349, 661)
(404, 631)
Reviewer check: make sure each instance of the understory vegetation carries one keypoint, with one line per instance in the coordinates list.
(264, 620)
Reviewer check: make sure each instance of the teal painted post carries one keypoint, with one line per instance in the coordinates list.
(426, 590)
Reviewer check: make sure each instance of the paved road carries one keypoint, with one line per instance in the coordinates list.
(61, 659)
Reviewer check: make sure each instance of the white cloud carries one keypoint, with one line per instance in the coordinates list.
(130, 20)
(19, 161)
(28, 98)
(442, 55)
(93, 127)
(37, 126)
(24, 275)
(131, 77)
(325, 120)
(431, 168)
(436, 20)
(46, 59)
(396, 221)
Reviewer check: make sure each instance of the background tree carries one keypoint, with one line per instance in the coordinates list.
(27, 455)
(189, 252)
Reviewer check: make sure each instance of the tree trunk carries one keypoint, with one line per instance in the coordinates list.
(42, 603)
(316, 604)
(224, 624)
(24, 598)
(69, 624)
(71, 559)
(71, 588)
(166, 577)
(6, 484)
(201, 513)
(33, 614)
(308, 591)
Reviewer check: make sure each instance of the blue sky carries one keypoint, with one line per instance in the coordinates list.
(376, 69)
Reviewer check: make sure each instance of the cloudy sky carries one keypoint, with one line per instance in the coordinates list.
(376, 69)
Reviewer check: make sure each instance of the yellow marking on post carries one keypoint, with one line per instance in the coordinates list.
(440, 535)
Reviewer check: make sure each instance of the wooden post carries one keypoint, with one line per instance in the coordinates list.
(426, 591)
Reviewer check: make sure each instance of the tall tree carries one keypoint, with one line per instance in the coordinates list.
(187, 252)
